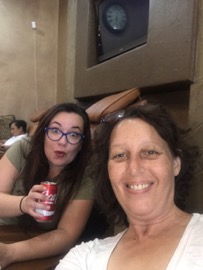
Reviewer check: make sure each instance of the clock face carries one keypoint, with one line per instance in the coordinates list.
(115, 18)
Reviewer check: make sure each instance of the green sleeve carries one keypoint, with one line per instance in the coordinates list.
(18, 152)
(86, 191)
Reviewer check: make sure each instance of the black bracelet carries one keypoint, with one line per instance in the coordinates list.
(20, 205)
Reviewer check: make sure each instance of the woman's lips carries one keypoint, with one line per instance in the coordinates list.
(60, 154)
(139, 187)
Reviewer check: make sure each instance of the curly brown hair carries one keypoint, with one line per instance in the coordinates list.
(176, 138)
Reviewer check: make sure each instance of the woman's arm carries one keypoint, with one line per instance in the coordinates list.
(8, 175)
(9, 204)
(55, 242)
(51, 243)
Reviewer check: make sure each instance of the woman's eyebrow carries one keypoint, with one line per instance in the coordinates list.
(74, 127)
(77, 127)
(55, 122)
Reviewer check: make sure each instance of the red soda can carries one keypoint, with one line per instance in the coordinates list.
(51, 192)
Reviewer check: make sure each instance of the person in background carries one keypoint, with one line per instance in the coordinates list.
(144, 171)
(58, 151)
(18, 130)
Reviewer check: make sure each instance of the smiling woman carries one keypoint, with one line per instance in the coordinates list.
(143, 167)
(58, 152)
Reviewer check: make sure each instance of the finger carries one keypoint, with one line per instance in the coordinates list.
(38, 188)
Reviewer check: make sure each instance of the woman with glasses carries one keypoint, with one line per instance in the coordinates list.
(58, 152)
(144, 171)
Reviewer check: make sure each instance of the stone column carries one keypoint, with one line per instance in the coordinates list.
(195, 201)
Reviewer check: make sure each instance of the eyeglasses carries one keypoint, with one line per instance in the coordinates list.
(114, 116)
(56, 134)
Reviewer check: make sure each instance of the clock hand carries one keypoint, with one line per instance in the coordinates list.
(116, 20)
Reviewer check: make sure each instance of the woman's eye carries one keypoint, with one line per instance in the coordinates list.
(55, 130)
(149, 154)
(73, 134)
(152, 152)
(120, 156)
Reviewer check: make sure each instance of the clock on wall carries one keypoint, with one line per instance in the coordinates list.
(115, 17)
(121, 26)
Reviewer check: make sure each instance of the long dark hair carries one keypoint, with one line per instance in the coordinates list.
(177, 140)
(37, 165)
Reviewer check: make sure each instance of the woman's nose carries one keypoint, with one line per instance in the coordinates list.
(134, 166)
(63, 140)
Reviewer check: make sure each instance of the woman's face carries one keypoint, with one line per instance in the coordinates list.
(60, 153)
(141, 170)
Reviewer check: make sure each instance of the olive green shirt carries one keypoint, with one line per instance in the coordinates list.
(17, 154)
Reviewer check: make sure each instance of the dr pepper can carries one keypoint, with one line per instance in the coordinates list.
(51, 192)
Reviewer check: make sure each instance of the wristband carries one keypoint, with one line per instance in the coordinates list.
(20, 205)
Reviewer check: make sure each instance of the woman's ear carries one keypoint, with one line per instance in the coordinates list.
(177, 165)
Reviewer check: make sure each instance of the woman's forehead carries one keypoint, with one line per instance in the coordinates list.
(68, 119)
(134, 128)
(67, 116)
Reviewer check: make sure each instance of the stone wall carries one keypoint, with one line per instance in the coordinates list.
(28, 57)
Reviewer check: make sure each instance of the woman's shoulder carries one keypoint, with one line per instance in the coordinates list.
(195, 227)
(196, 220)
(18, 152)
(22, 146)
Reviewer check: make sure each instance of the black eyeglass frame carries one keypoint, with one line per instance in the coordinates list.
(64, 134)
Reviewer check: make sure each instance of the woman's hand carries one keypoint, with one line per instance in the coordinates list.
(34, 200)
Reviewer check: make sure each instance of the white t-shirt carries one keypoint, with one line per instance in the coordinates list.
(94, 255)
(13, 139)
